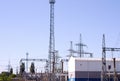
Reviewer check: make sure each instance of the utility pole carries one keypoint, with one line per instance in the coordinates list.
(71, 48)
(9, 66)
(51, 40)
(115, 74)
(27, 62)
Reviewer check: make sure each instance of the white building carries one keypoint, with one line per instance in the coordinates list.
(89, 69)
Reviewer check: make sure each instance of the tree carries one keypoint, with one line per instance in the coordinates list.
(22, 68)
(32, 68)
(6, 76)
(11, 70)
(11, 76)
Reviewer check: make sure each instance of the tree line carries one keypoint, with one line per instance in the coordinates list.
(22, 68)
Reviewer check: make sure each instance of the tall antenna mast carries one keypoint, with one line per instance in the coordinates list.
(52, 38)
(51, 43)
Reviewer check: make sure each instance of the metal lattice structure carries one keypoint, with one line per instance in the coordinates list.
(71, 50)
(51, 66)
(103, 73)
(36, 60)
(104, 76)
(80, 52)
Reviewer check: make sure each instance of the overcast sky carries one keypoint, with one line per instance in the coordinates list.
(24, 27)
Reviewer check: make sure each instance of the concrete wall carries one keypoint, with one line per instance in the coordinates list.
(95, 65)
(71, 65)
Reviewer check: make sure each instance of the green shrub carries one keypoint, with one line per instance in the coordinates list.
(6, 76)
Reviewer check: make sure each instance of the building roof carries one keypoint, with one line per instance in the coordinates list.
(92, 59)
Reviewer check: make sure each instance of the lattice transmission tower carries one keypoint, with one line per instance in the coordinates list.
(52, 38)
(104, 75)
